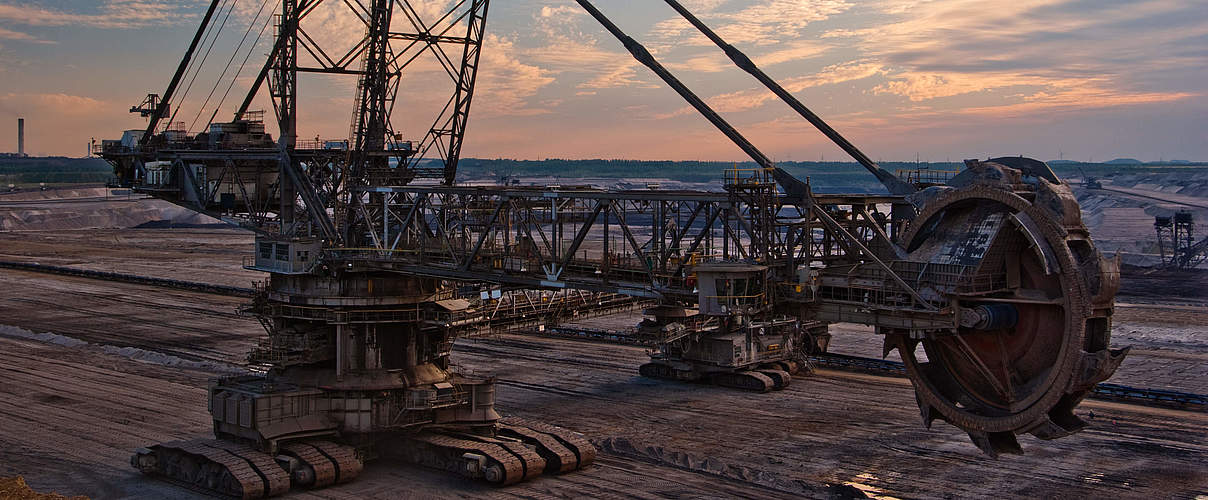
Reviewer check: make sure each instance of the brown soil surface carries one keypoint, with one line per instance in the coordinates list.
(70, 416)
(206, 255)
(71, 413)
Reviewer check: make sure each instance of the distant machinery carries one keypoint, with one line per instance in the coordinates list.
(1089, 182)
(736, 339)
(149, 107)
(992, 273)
(1177, 245)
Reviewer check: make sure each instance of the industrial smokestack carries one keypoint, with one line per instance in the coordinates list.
(20, 137)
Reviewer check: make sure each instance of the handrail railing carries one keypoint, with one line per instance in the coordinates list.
(927, 176)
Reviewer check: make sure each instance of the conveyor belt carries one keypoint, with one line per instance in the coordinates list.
(131, 278)
(1104, 391)
(1114, 392)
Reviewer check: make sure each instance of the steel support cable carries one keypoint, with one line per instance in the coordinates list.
(201, 64)
(240, 70)
(644, 56)
(195, 69)
(204, 38)
(226, 68)
(891, 182)
(180, 72)
(234, 54)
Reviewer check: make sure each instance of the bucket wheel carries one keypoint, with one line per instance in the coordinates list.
(1035, 324)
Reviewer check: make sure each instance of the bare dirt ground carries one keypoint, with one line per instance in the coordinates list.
(210, 255)
(69, 417)
(71, 412)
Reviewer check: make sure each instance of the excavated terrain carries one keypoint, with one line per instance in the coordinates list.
(93, 369)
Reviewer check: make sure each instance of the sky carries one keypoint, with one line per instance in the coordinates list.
(1086, 80)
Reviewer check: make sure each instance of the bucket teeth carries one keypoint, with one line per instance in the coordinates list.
(899, 342)
(1066, 419)
(1096, 367)
(926, 411)
(1057, 426)
(995, 443)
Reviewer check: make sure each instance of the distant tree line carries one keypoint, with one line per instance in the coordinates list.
(54, 170)
(691, 171)
(704, 171)
(827, 175)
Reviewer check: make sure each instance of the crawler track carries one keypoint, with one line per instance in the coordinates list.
(546, 438)
(498, 465)
(519, 450)
(216, 467)
(236, 470)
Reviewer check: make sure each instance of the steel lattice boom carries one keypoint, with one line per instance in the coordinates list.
(372, 274)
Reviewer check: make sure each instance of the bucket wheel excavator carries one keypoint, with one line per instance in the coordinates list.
(992, 274)
(355, 364)
(1033, 326)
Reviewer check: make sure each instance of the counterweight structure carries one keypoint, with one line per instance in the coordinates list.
(993, 275)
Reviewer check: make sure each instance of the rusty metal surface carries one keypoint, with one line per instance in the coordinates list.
(1028, 377)
(219, 466)
(994, 276)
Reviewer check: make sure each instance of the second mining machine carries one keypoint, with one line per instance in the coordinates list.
(992, 274)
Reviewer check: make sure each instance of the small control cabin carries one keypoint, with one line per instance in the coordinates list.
(286, 256)
(731, 289)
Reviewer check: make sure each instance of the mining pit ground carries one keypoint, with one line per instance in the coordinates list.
(93, 369)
